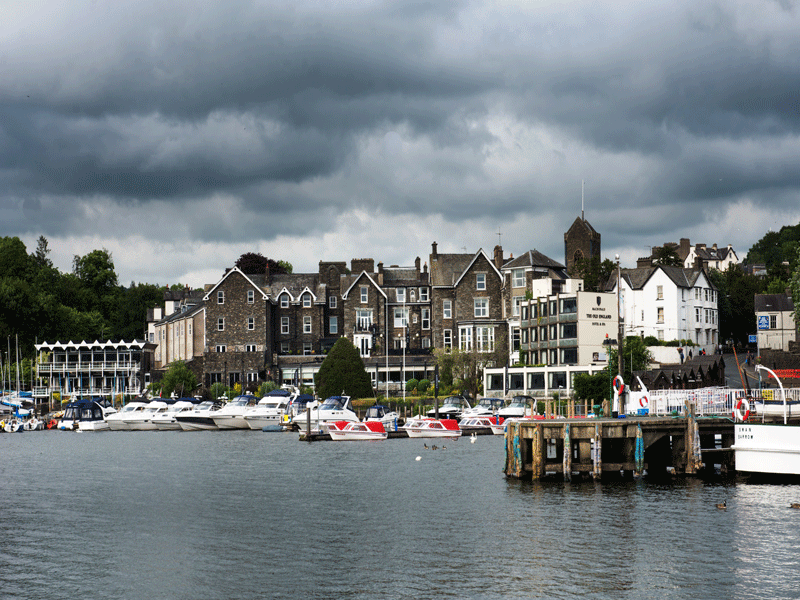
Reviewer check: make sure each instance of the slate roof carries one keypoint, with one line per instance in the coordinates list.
(446, 270)
(773, 303)
(533, 258)
(295, 284)
(638, 278)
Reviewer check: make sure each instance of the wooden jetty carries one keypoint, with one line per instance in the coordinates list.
(597, 447)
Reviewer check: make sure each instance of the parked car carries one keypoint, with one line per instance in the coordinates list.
(451, 407)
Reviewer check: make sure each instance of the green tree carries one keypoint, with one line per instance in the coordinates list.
(130, 312)
(595, 274)
(736, 302)
(178, 379)
(794, 286)
(636, 357)
(253, 263)
(667, 255)
(592, 387)
(343, 372)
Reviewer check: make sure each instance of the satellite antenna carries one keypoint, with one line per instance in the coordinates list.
(582, 184)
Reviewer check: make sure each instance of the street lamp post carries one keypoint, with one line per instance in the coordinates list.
(620, 333)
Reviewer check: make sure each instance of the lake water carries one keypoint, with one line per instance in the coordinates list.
(246, 514)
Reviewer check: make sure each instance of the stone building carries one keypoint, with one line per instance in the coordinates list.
(581, 241)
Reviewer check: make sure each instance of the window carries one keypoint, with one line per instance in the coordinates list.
(553, 332)
(660, 333)
(306, 300)
(697, 314)
(401, 294)
(411, 294)
(220, 297)
(447, 309)
(189, 328)
(284, 300)
(569, 356)
(284, 325)
(221, 324)
(332, 302)
(705, 312)
(251, 323)
(334, 325)
(426, 318)
(363, 320)
(400, 317)
(221, 348)
(773, 321)
(284, 347)
(251, 296)
(480, 281)
(515, 302)
(307, 349)
(543, 334)
(518, 278)
(706, 293)
(423, 294)
(465, 338)
(660, 318)
(426, 342)
(481, 307)
(306, 324)
(659, 292)
(569, 306)
(524, 335)
(251, 348)
(364, 294)
(447, 338)
(569, 331)
(697, 293)
(484, 339)
(515, 337)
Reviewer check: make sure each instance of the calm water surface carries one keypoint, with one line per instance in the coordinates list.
(241, 514)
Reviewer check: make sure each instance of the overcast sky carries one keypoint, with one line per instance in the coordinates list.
(179, 135)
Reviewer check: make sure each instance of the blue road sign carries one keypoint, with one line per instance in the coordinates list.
(752, 338)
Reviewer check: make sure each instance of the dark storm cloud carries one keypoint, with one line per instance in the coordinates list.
(295, 113)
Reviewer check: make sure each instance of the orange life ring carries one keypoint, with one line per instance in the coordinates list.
(737, 411)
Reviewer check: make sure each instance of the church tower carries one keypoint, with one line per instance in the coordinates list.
(580, 241)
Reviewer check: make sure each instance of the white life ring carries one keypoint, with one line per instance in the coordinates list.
(619, 385)
(644, 401)
(737, 411)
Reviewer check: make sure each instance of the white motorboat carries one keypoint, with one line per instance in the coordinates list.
(267, 415)
(387, 417)
(34, 424)
(768, 448)
(487, 407)
(231, 416)
(298, 406)
(116, 421)
(165, 420)
(200, 418)
(495, 424)
(518, 407)
(451, 408)
(354, 430)
(14, 425)
(87, 415)
(421, 427)
(142, 420)
(335, 408)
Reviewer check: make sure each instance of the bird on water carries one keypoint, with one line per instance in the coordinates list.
(722, 505)
(794, 505)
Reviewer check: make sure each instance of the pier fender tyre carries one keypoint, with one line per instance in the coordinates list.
(737, 412)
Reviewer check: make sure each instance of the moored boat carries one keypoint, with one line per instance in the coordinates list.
(495, 424)
(432, 428)
(354, 430)
(771, 448)
(387, 417)
(116, 421)
(87, 415)
(267, 415)
(200, 418)
(334, 408)
(231, 416)
(142, 420)
(166, 420)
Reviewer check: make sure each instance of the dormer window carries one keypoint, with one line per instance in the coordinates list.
(480, 281)
(306, 300)
(284, 300)
(220, 297)
(401, 294)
